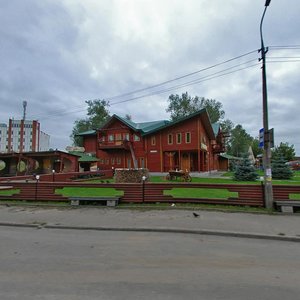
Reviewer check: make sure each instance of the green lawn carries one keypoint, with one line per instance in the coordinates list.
(294, 196)
(227, 178)
(201, 193)
(9, 192)
(88, 192)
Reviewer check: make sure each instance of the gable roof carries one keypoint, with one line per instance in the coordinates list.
(146, 128)
(216, 128)
(139, 127)
(202, 113)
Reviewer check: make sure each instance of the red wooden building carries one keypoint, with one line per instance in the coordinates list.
(191, 143)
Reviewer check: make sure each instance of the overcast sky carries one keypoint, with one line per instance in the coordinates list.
(56, 54)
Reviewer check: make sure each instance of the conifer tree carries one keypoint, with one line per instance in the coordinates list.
(280, 170)
(245, 171)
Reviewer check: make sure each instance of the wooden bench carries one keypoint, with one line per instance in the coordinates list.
(109, 201)
(287, 206)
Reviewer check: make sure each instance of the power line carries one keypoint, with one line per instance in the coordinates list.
(189, 83)
(282, 57)
(154, 92)
(206, 78)
(283, 61)
(83, 108)
(297, 47)
(181, 77)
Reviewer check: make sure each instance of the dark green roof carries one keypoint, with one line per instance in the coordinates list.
(202, 112)
(143, 127)
(230, 157)
(146, 128)
(88, 158)
(89, 132)
(84, 157)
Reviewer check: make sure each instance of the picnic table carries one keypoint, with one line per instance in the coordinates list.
(183, 175)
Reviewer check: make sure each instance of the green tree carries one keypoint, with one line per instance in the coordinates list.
(280, 170)
(79, 127)
(255, 147)
(239, 141)
(97, 115)
(226, 127)
(184, 105)
(128, 117)
(285, 151)
(245, 171)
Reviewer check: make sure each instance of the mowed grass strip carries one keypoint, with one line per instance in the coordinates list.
(227, 178)
(294, 196)
(88, 192)
(9, 192)
(200, 193)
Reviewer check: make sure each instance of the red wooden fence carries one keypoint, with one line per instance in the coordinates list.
(53, 177)
(248, 195)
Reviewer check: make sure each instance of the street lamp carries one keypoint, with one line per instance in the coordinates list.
(37, 178)
(143, 183)
(268, 191)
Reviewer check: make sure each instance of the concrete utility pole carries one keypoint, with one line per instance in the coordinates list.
(267, 147)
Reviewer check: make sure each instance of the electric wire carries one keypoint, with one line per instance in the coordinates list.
(185, 84)
(154, 92)
(181, 77)
(206, 78)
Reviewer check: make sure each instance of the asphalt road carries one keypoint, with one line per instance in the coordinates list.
(74, 264)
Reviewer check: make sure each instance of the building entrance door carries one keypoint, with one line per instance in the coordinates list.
(185, 162)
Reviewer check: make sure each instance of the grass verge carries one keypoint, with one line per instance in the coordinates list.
(201, 193)
(88, 192)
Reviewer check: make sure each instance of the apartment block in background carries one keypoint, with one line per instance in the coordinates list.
(23, 136)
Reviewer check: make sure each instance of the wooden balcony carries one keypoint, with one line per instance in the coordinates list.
(218, 148)
(111, 145)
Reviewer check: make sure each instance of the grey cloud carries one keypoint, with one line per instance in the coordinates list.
(57, 54)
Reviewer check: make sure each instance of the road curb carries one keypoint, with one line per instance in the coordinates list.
(248, 235)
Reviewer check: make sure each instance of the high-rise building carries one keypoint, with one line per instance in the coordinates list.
(23, 136)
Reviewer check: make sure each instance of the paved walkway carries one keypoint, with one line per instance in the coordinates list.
(278, 226)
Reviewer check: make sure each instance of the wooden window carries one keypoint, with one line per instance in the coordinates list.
(112, 160)
(126, 136)
(118, 136)
(107, 161)
(170, 138)
(187, 137)
(111, 137)
(178, 138)
(136, 138)
(118, 160)
(153, 141)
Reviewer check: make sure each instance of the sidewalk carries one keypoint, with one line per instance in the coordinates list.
(279, 227)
